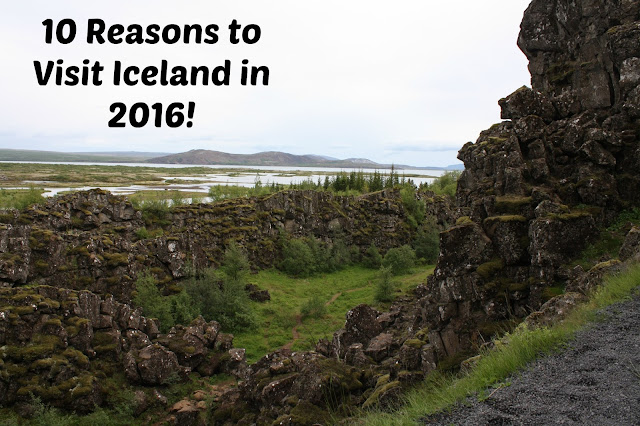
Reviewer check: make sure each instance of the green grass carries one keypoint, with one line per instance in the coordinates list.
(609, 241)
(355, 285)
(440, 391)
(20, 198)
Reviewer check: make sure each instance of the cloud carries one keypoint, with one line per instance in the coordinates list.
(346, 77)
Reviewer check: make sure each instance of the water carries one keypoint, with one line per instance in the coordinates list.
(283, 175)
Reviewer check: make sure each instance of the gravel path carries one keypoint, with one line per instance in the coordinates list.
(595, 381)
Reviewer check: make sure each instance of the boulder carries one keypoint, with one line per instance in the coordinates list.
(360, 327)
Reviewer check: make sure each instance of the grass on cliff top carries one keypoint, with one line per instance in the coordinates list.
(610, 240)
(337, 292)
(440, 392)
(20, 198)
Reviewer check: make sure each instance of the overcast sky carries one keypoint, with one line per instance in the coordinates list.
(405, 81)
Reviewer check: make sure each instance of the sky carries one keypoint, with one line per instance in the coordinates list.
(404, 82)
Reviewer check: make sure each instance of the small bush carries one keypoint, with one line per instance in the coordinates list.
(313, 308)
(219, 298)
(304, 257)
(400, 260)
(414, 207)
(372, 258)
(384, 287)
(152, 302)
(298, 259)
(427, 242)
(142, 233)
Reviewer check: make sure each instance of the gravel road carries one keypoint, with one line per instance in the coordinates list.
(595, 381)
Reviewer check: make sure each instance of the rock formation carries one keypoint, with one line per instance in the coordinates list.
(99, 242)
(537, 187)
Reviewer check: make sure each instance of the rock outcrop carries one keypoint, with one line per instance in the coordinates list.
(537, 187)
(60, 344)
(99, 242)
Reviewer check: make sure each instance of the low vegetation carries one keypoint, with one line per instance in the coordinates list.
(215, 294)
(20, 198)
(296, 303)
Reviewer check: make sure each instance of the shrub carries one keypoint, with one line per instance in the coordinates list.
(372, 258)
(313, 308)
(235, 263)
(220, 298)
(415, 208)
(153, 304)
(142, 233)
(298, 259)
(400, 260)
(169, 310)
(384, 287)
(427, 242)
(304, 257)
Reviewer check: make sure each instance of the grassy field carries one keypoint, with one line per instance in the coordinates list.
(338, 292)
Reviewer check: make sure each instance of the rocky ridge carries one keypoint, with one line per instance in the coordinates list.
(100, 242)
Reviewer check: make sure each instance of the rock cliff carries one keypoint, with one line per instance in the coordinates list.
(537, 187)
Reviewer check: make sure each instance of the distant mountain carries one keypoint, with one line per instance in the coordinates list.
(269, 158)
(205, 157)
(455, 167)
(94, 157)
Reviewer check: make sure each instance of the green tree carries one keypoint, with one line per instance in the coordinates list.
(220, 298)
(384, 287)
(298, 258)
(153, 304)
(235, 263)
(400, 260)
(372, 258)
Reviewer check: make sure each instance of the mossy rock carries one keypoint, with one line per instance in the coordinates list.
(489, 269)
(512, 205)
(383, 391)
(569, 216)
(41, 346)
(414, 343)
(464, 220)
(116, 259)
(305, 413)
(496, 328)
(77, 357)
(505, 219)
(423, 334)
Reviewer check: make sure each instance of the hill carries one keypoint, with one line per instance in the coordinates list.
(268, 158)
(96, 157)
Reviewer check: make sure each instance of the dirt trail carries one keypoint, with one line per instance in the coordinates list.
(335, 296)
(595, 381)
(294, 332)
(333, 299)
